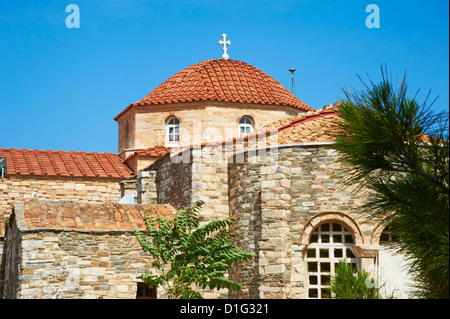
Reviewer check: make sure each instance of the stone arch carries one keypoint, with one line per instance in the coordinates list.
(171, 116)
(376, 234)
(248, 115)
(328, 217)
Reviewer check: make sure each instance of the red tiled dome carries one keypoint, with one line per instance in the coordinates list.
(221, 80)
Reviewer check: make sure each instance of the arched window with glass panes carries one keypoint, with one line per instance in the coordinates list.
(245, 126)
(330, 242)
(173, 130)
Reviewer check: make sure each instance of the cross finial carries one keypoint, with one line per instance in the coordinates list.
(224, 42)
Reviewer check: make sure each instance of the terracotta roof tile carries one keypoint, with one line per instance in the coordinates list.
(155, 151)
(64, 163)
(320, 126)
(82, 216)
(221, 80)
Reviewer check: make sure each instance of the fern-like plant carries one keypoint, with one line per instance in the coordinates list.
(188, 255)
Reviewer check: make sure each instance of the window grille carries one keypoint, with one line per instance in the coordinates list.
(329, 243)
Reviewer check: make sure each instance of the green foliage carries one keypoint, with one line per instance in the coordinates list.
(188, 255)
(399, 148)
(350, 284)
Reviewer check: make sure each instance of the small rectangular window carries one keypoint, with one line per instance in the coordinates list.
(338, 253)
(311, 253)
(336, 227)
(313, 293)
(323, 252)
(325, 280)
(325, 267)
(325, 238)
(313, 280)
(144, 292)
(312, 266)
(337, 238)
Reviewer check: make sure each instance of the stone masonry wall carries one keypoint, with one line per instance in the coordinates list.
(16, 188)
(173, 180)
(274, 196)
(76, 264)
(73, 265)
(181, 179)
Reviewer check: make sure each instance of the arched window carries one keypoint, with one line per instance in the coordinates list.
(329, 243)
(173, 130)
(388, 236)
(245, 126)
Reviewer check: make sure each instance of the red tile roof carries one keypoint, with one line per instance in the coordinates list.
(35, 214)
(321, 126)
(318, 126)
(221, 80)
(155, 151)
(64, 163)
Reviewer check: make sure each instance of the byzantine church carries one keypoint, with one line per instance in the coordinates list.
(221, 131)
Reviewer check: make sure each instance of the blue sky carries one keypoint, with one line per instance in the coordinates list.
(60, 88)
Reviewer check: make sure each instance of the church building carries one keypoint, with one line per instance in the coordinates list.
(221, 131)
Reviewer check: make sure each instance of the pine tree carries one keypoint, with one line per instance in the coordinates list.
(351, 283)
(398, 148)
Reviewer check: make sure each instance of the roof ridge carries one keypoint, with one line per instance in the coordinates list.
(204, 74)
(223, 88)
(27, 162)
(75, 160)
(52, 161)
(259, 85)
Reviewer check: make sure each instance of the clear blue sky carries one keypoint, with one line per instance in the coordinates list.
(60, 88)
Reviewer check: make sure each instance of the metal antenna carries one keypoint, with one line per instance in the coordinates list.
(292, 70)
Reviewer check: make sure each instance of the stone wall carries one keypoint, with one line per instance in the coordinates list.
(277, 197)
(173, 181)
(199, 122)
(16, 188)
(73, 265)
(179, 179)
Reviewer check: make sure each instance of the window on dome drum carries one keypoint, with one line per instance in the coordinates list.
(329, 243)
(144, 292)
(245, 126)
(173, 130)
